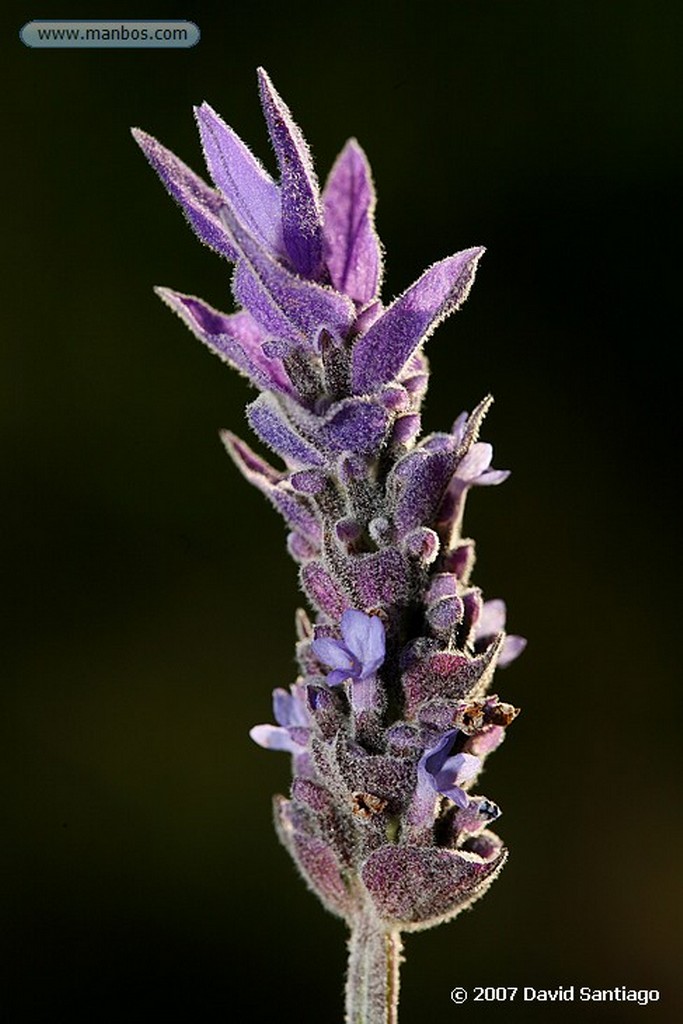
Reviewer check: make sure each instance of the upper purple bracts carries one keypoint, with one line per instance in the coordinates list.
(389, 722)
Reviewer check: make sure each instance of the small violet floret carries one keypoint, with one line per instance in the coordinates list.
(293, 722)
(358, 654)
(492, 621)
(445, 772)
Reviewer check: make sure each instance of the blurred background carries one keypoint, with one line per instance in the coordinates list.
(149, 598)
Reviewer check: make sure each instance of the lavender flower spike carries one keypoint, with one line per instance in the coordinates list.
(388, 722)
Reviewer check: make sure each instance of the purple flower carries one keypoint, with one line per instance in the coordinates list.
(445, 772)
(293, 718)
(360, 652)
(491, 621)
(475, 468)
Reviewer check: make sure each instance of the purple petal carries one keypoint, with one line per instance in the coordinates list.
(459, 428)
(200, 204)
(308, 481)
(364, 636)
(267, 419)
(352, 248)
(472, 471)
(354, 425)
(473, 605)
(338, 675)
(512, 648)
(475, 462)
(454, 793)
(236, 339)
(290, 708)
(318, 799)
(333, 654)
(466, 428)
(491, 618)
(491, 477)
(415, 376)
(321, 868)
(242, 179)
(285, 305)
(255, 295)
(301, 214)
(456, 770)
(380, 355)
(421, 811)
(433, 759)
(274, 737)
(282, 707)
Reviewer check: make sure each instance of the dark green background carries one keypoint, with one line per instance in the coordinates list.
(150, 601)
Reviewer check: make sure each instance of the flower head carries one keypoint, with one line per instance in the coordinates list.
(373, 513)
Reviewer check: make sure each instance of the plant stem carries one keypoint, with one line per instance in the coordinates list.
(373, 975)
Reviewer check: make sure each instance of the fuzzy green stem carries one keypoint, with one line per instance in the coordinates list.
(373, 976)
